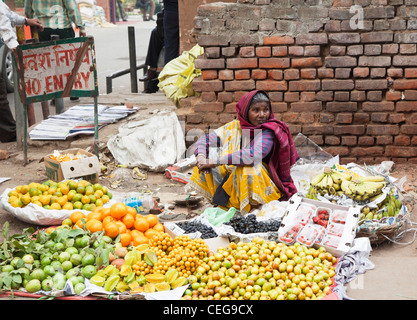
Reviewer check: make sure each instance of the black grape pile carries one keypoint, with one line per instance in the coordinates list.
(207, 232)
(248, 224)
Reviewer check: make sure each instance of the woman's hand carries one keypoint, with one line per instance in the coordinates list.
(205, 168)
(204, 164)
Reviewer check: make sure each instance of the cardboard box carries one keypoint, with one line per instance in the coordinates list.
(350, 225)
(87, 168)
(173, 230)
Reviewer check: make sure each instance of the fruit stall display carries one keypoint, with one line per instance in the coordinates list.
(131, 255)
(67, 195)
(382, 213)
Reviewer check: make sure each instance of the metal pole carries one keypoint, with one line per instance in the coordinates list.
(20, 109)
(96, 141)
(132, 59)
(59, 102)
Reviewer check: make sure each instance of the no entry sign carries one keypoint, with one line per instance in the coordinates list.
(56, 69)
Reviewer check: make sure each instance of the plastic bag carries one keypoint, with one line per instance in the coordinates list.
(217, 216)
(176, 78)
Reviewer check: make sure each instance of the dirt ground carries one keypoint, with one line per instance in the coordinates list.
(392, 278)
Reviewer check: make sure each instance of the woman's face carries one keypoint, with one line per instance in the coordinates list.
(258, 113)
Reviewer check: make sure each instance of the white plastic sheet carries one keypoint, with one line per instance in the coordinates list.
(152, 144)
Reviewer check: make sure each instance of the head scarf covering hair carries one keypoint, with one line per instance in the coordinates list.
(283, 154)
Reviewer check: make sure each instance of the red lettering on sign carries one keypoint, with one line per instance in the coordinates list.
(85, 76)
(58, 82)
(48, 84)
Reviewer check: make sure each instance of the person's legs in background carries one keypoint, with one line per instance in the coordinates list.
(7, 122)
(152, 10)
(171, 31)
(156, 44)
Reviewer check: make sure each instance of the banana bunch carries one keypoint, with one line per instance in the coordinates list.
(328, 182)
(363, 189)
(389, 207)
(337, 183)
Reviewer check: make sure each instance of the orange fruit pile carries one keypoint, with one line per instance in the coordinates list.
(120, 219)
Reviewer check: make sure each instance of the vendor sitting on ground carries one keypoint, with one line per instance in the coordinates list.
(246, 162)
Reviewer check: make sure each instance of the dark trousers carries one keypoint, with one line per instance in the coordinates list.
(171, 31)
(156, 43)
(7, 122)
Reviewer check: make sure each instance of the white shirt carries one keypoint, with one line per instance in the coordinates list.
(8, 20)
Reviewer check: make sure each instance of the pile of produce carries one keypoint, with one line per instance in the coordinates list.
(337, 183)
(119, 222)
(389, 207)
(162, 265)
(68, 195)
(46, 260)
(249, 224)
(264, 270)
(207, 232)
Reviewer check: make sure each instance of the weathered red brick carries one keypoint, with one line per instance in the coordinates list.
(332, 140)
(399, 151)
(409, 129)
(200, 85)
(291, 74)
(363, 151)
(208, 96)
(349, 140)
(242, 74)
(315, 106)
(402, 140)
(209, 74)
(325, 73)
(226, 74)
(336, 106)
(279, 51)
(263, 52)
(271, 85)
(304, 85)
(276, 40)
(360, 72)
(378, 130)
(370, 106)
(242, 63)
(312, 38)
(296, 51)
(344, 118)
(308, 73)
(366, 141)
(337, 84)
(393, 95)
(371, 84)
(242, 85)
(275, 74)
(209, 107)
(403, 84)
(201, 63)
(306, 62)
(279, 107)
(278, 63)
(259, 74)
(225, 97)
(375, 37)
(340, 62)
(308, 96)
(379, 117)
(395, 72)
(397, 117)
(410, 72)
(247, 52)
(349, 129)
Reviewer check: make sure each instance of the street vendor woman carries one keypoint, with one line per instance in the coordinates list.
(246, 162)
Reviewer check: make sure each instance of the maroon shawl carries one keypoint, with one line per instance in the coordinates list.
(283, 155)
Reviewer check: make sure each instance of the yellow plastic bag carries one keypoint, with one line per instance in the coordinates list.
(176, 78)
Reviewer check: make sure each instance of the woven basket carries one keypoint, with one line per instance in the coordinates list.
(380, 232)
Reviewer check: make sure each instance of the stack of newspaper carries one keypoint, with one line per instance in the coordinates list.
(76, 120)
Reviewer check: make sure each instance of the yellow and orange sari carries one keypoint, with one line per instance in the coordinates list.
(246, 185)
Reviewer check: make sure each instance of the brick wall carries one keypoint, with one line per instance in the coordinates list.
(351, 90)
